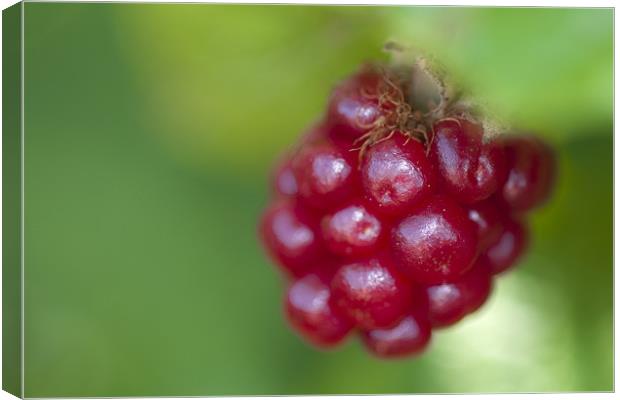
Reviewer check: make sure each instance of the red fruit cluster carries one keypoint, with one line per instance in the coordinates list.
(389, 232)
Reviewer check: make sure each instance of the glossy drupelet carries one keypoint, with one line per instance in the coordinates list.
(449, 302)
(410, 336)
(436, 242)
(311, 312)
(531, 173)
(325, 175)
(470, 167)
(353, 230)
(396, 175)
(371, 292)
(357, 103)
(291, 236)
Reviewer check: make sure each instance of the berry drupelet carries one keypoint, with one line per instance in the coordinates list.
(371, 292)
(436, 242)
(352, 230)
(396, 175)
(409, 336)
(310, 311)
(390, 221)
(470, 167)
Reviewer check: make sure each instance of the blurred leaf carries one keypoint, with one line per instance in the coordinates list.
(234, 84)
(545, 69)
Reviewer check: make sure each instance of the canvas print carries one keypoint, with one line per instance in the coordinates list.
(220, 199)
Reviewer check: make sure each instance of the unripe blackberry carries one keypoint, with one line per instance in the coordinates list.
(394, 213)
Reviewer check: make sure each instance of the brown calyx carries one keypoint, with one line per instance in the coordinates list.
(398, 114)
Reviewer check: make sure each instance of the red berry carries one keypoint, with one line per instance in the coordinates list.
(283, 181)
(450, 302)
(392, 220)
(470, 167)
(352, 230)
(506, 250)
(355, 104)
(396, 174)
(436, 242)
(531, 172)
(326, 176)
(311, 313)
(487, 217)
(291, 237)
(371, 292)
(410, 336)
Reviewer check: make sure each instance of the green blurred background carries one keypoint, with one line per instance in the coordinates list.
(150, 131)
